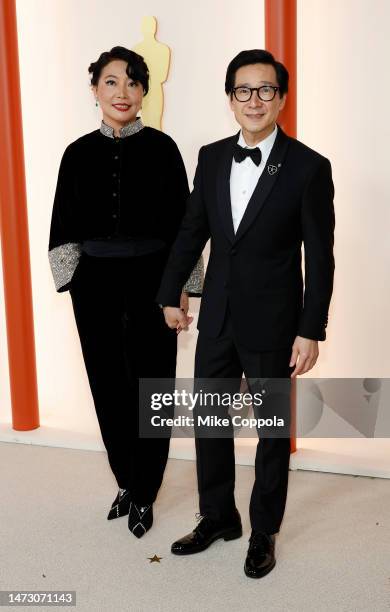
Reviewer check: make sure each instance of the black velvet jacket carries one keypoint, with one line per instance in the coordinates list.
(117, 188)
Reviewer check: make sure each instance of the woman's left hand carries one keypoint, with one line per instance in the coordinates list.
(184, 306)
(184, 302)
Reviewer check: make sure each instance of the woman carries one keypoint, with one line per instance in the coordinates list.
(119, 201)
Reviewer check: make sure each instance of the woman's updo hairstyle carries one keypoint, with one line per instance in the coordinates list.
(136, 66)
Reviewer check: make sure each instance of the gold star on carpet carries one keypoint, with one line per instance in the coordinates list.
(155, 559)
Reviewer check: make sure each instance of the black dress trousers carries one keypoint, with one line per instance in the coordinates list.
(123, 338)
(225, 360)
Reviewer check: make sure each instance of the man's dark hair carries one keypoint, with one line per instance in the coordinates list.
(256, 56)
(136, 66)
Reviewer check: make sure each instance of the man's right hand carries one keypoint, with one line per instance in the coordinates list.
(175, 318)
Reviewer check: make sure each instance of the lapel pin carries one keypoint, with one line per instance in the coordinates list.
(272, 169)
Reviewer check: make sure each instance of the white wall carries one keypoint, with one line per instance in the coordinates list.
(342, 103)
(343, 90)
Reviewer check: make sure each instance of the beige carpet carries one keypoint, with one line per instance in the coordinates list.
(333, 551)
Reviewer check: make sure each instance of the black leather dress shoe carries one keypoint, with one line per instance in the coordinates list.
(260, 559)
(120, 505)
(205, 533)
(140, 519)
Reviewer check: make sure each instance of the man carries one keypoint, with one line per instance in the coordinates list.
(258, 195)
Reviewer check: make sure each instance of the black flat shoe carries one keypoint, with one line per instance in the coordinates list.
(260, 559)
(120, 505)
(205, 533)
(140, 519)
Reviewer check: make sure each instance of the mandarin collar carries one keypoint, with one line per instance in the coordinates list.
(127, 130)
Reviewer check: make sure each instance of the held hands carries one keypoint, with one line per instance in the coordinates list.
(184, 302)
(178, 318)
(304, 355)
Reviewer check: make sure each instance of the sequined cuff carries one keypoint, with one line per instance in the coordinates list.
(64, 260)
(194, 283)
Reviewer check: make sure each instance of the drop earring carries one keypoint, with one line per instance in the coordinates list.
(96, 102)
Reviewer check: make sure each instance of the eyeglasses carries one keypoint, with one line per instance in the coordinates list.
(265, 93)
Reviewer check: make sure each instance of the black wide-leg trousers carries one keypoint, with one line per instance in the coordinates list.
(123, 338)
(224, 358)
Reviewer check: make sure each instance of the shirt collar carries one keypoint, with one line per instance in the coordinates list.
(127, 130)
(265, 145)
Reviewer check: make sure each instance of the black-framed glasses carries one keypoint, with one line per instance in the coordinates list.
(265, 93)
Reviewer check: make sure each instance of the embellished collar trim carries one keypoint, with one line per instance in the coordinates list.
(127, 130)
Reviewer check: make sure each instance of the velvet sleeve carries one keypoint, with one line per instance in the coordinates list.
(64, 245)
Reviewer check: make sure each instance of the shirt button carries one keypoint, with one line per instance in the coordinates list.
(244, 191)
(114, 174)
(116, 156)
(114, 194)
(114, 216)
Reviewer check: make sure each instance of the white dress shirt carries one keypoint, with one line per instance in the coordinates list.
(244, 176)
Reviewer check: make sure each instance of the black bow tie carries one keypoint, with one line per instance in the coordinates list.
(240, 154)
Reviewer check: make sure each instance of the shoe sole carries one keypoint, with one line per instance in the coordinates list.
(264, 573)
(234, 534)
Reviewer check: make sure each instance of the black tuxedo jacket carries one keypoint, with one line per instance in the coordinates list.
(258, 270)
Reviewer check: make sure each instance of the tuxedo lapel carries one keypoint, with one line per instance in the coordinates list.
(223, 188)
(265, 183)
